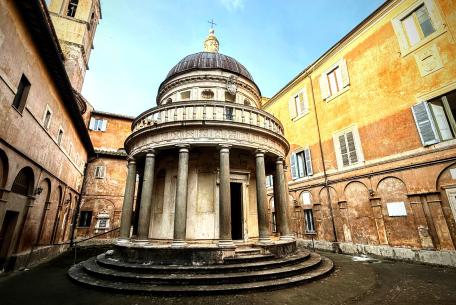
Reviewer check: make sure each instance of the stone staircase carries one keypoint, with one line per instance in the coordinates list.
(248, 269)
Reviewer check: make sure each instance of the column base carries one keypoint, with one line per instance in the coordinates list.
(122, 241)
(287, 237)
(142, 242)
(265, 240)
(226, 243)
(178, 244)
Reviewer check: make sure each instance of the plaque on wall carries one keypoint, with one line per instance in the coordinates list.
(396, 209)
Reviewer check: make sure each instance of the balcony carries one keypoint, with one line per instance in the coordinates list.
(203, 122)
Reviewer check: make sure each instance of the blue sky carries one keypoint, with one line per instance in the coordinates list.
(138, 42)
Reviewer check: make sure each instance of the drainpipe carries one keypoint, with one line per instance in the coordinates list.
(323, 159)
(78, 205)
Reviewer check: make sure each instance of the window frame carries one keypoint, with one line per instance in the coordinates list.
(358, 147)
(47, 110)
(342, 80)
(307, 171)
(22, 92)
(296, 112)
(87, 219)
(103, 172)
(59, 138)
(309, 225)
(401, 34)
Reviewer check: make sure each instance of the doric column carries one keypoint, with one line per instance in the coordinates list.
(127, 207)
(225, 198)
(280, 201)
(180, 213)
(262, 204)
(146, 197)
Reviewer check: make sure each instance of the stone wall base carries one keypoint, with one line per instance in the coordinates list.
(441, 258)
(38, 256)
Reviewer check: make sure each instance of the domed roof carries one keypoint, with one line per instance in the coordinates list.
(208, 61)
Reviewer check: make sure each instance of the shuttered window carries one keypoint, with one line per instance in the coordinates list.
(435, 119)
(298, 104)
(347, 148)
(334, 80)
(301, 164)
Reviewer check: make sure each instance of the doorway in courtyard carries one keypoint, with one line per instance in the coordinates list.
(237, 220)
(6, 234)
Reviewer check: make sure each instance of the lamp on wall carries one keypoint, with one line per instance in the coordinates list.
(38, 191)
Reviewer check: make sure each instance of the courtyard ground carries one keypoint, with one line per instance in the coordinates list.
(352, 282)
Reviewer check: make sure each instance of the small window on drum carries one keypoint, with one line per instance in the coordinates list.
(207, 94)
(247, 102)
(229, 97)
(168, 101)
(185, 95)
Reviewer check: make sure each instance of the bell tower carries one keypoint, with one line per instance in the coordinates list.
(75, 22)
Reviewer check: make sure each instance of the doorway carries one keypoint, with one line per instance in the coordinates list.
(6, 234)
(237, 220)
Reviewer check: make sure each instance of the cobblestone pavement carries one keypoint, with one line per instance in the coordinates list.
(352, 282)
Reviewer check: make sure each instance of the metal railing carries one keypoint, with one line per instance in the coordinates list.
(208, 111)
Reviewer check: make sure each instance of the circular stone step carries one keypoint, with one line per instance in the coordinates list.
(190, 278)
(78, 274)
(103, 261)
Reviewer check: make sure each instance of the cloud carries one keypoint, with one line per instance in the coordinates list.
(233, 5)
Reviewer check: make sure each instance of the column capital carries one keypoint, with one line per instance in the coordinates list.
(150, 153)
(224, 147)
(131, 160)
(183, 148)
(279, 159)
(259, 152)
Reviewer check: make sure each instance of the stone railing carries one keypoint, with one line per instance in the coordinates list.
(207, 111)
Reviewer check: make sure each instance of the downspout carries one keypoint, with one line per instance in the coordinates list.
(78, 205)
(323, 159)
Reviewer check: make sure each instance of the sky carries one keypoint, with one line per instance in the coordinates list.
(138, 41)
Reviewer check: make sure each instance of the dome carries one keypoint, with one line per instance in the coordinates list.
(207, 61)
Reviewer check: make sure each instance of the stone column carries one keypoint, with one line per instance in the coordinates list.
(262, 204)
(281, 201)
(180, 213)
(127, 207)
(225, 198)
(146, 197)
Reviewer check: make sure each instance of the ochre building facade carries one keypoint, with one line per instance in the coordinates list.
(371, 125)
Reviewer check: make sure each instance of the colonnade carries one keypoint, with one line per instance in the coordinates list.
(180, 215)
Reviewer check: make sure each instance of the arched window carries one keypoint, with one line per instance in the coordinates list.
(23, 184)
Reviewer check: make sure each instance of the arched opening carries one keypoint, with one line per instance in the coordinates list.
(56, 210)
(23, 184)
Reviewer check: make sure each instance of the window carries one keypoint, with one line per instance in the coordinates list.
(301, 164)
(85, 219)
(185, 95)
(60, 136)
(274, 222)
(310, 225)
(100, 171)
(72, 6)
(335, 80)
(21, 94)
(229, 113)
(417, 25)
(47, 117)
(347, 147)
(298, 104)
(269, 181)
(207, 94)
(98, 124)
(230, 97)
(306, 198)
(435, 119)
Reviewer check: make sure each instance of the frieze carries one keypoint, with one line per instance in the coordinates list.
(142, 142)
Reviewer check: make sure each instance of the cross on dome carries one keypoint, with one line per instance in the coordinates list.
(211, 44)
